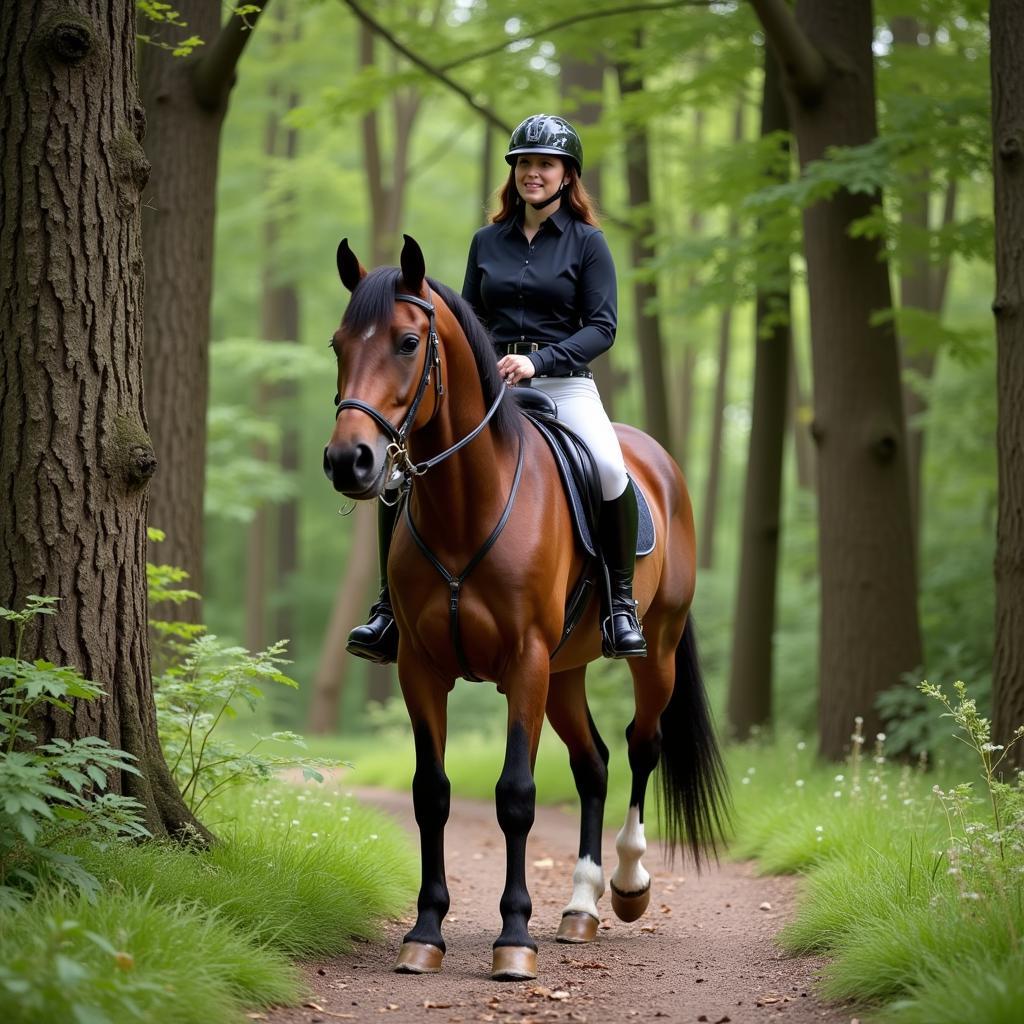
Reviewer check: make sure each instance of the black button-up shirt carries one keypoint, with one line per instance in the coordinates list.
(558, 290)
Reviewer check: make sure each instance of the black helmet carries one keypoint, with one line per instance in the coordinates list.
(546, 133)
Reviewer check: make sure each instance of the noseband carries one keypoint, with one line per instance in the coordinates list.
(397, 450)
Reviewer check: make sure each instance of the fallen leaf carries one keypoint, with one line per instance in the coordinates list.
(648, 928)
(665, 908)
(428, 1005)
(544, 862)
(765, 906)
(558, 994)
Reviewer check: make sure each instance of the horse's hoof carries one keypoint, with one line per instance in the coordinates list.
(418, 958)
(577, 926)
(628, 906)
(514, 963)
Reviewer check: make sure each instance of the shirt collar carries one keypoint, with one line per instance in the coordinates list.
(559, 219)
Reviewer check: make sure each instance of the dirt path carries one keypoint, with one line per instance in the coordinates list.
(702, 952)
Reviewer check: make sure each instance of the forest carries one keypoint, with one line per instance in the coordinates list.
(815, 213)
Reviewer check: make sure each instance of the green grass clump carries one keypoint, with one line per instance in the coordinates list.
(915, 884)
(196, 936)
(303, 868)
(132, 957)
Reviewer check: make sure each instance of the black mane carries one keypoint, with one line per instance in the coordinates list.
(372, 305)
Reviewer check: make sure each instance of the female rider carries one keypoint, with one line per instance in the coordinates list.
(541, 278)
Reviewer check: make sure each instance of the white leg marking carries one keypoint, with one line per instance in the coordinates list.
(630, 875)
(587, 887)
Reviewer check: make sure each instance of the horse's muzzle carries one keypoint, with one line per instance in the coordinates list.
(356, 470)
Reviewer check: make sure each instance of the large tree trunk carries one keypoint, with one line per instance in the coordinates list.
(185, 102)
(645, 290)
(1006, 21)
(77, 457)
(750, 680)
(709, 514)
(870, 634)
(580, 81)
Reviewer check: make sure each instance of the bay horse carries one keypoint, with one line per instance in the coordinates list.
(480, 568)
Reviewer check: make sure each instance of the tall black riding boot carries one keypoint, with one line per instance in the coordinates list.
(621, 635)
(377, 640)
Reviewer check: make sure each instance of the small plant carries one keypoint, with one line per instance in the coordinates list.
(201, 689)
(53, 792)
(1006, 800)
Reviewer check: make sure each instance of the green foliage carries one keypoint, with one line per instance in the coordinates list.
(201, 688)
(52, 793)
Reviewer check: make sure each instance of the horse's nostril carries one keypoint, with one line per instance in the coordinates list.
(364, 462)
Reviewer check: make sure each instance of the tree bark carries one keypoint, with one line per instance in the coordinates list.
(870, 633)
(1006, 21)
(749, 703)
(185, 99)
(75, 483)
(647, 325)
(709, 515)
(587, 77)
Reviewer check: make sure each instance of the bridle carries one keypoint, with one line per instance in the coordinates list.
(397, 451)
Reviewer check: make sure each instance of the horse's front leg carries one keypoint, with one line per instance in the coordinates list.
(426, 698)
(515, 953)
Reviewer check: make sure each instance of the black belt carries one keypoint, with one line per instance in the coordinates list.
(524, 348)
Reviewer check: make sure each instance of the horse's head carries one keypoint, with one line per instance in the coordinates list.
(388, 370)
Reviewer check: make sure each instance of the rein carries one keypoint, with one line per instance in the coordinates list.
(399, 455)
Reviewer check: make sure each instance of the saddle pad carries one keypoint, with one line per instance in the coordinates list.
(582, 485)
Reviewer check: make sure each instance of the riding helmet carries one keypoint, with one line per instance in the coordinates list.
(546, 133)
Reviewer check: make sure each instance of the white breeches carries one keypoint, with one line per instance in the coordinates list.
(580, 408)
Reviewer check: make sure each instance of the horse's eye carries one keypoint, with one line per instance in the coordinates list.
(408, 344)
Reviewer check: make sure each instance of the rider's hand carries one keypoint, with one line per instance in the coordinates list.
(513, 369)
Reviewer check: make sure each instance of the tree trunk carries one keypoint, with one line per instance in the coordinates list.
(386, 203)
(645, 290)
(687, 371)
(580, 80)
(185, 99)
(709, 515)
(750, 682)
(870, 634)
(279, 316)
(1006, 21)
(332, 670)
(75, 483)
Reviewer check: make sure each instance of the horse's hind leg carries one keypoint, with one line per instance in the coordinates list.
(426, 699)
(653, 680)
(588, 757)
(515, 953)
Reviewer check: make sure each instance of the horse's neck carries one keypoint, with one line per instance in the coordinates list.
(456, 496)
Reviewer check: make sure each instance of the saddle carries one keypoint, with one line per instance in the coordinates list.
(582, 486)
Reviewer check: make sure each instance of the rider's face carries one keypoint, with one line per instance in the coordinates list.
(539, 176)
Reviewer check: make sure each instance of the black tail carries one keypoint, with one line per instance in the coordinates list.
(695, 801)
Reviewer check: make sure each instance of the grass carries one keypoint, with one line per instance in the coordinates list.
(179, 936)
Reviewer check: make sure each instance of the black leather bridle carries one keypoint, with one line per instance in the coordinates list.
(397, 450)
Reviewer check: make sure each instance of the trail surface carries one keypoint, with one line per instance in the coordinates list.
(704, 950)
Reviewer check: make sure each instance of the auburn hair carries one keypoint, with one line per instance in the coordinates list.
(581, 206)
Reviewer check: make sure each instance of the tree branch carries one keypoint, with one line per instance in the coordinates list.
(214, 72)
(426, 66)
(544, 30)
(800, 59)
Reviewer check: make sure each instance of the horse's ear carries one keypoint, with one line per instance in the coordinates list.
(350, 270)
(413, 267)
